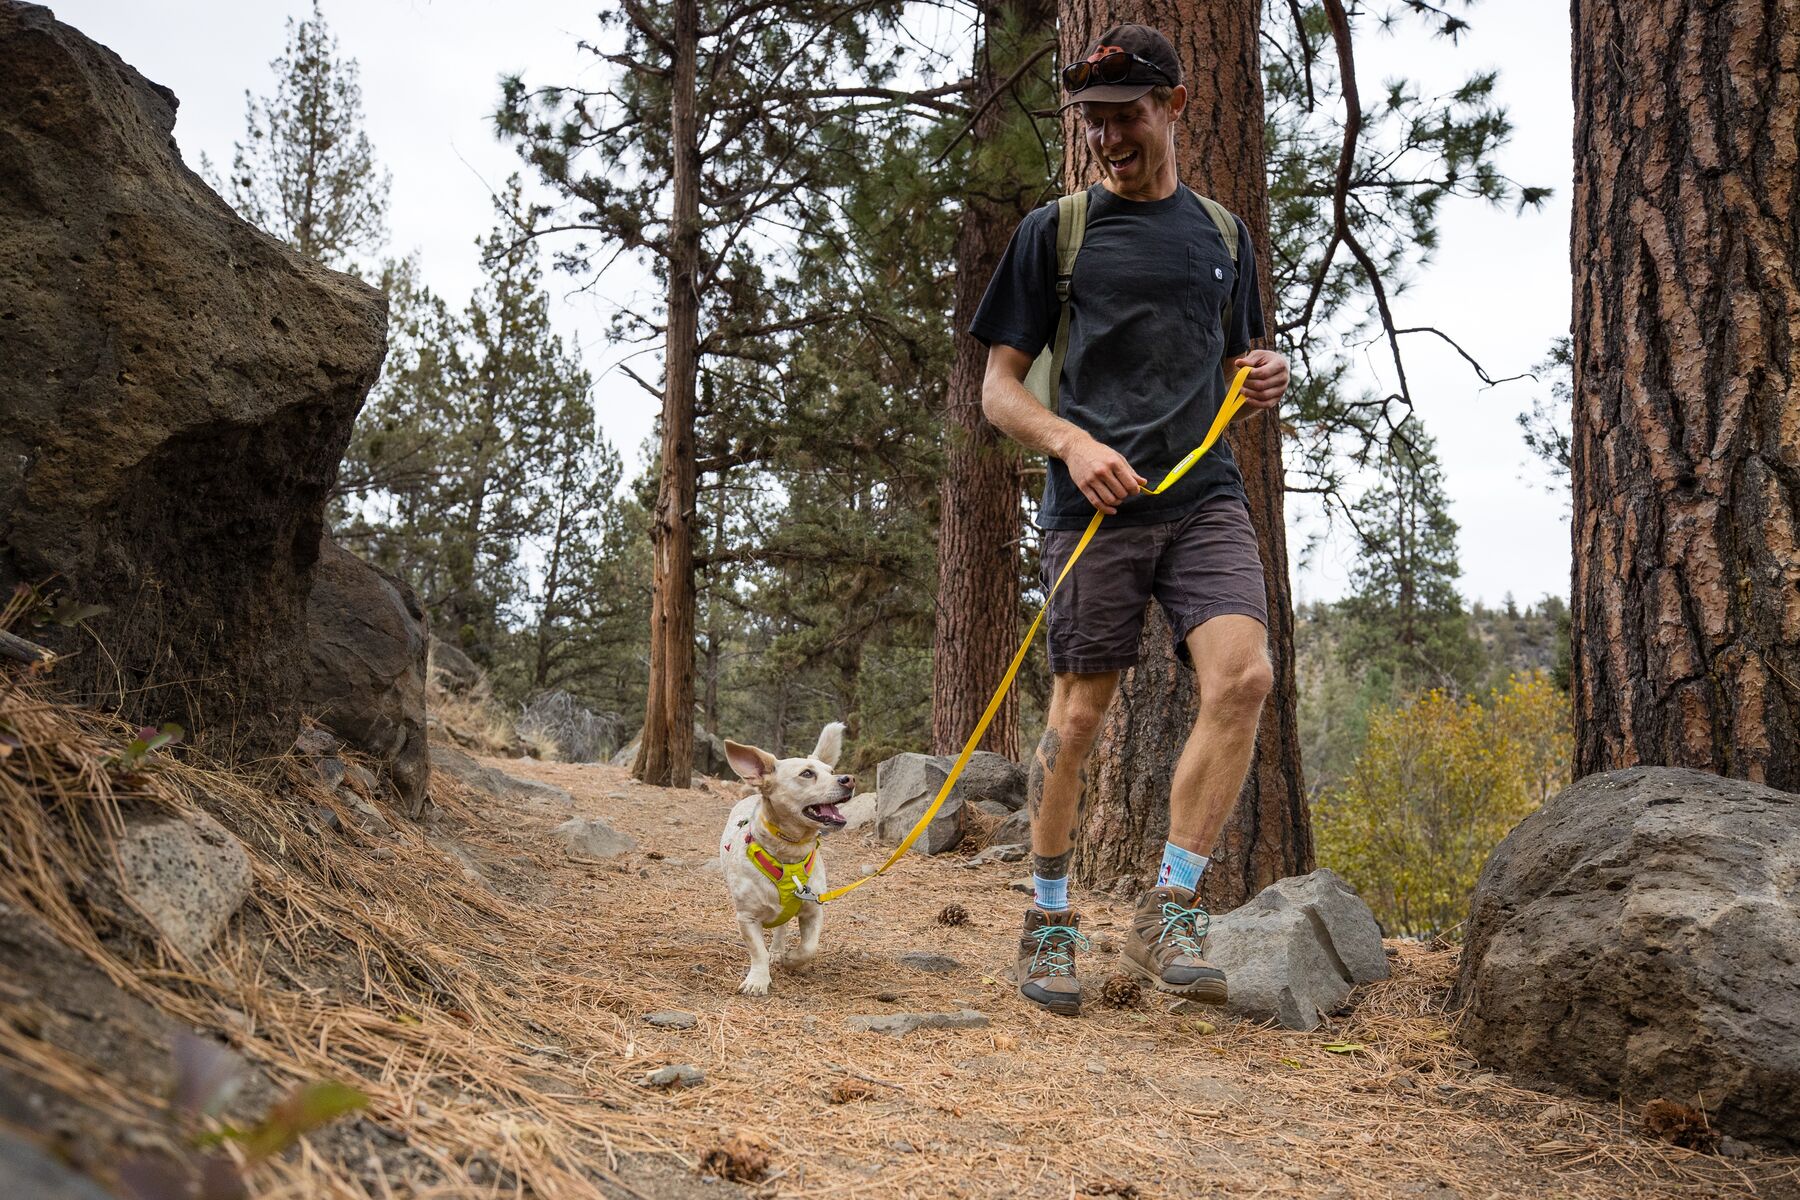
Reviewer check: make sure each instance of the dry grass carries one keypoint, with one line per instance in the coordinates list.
(495, 1020)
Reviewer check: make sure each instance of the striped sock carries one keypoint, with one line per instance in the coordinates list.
(1181, 868)
(1052, 894)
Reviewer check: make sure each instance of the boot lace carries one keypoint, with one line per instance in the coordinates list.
(1185, 927)
(1056, 946)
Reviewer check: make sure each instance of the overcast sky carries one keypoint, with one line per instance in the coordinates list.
(1499, 284)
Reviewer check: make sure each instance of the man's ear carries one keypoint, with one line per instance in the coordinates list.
(831, 744)
(749, 762)
(1177, 99)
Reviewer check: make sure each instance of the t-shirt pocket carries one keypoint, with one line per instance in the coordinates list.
(1210, 280)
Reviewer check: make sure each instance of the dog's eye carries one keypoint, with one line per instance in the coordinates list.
(807, 774)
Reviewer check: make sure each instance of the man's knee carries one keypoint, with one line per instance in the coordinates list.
(1240, 689)
(1078, 705)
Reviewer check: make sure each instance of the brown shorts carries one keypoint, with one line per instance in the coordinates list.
(1202, 566)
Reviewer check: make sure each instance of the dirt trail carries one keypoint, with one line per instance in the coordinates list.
(489, 995)
(1136, 1101)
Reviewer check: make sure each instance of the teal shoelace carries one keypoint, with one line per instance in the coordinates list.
(1056, 946)
(1184, 926)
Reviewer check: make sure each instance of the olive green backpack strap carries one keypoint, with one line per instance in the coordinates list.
(1228, 229)
(1045, 375)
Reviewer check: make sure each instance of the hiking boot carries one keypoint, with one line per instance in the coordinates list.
(1047, 960)
(1168, 937)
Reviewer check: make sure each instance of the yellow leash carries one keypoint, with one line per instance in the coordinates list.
(1234, 400)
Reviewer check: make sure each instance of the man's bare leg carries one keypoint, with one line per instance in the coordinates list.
(1046, 971)
(1231, 665)
(1167, 941)
(1058, 776)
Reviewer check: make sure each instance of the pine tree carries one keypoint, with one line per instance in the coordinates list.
(306, 171)
(730, 125)
(1408, 622)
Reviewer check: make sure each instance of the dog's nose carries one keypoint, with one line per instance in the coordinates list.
(846, 780)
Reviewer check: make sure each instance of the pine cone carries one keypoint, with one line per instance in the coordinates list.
(953, 914)
(1121, 991)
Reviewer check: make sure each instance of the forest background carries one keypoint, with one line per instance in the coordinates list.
(504, 465)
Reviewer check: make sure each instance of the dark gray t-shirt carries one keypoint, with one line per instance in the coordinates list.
(1146, 340)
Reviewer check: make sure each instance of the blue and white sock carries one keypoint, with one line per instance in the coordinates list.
(1052, 894)
(1181, 868)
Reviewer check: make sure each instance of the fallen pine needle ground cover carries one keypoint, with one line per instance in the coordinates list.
(489, 995)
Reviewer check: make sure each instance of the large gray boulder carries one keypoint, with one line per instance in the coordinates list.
(991, 777)
(178, 391)
(1295, 951)
(451, 669)
(366, 667)
(578, 733)
(1639, 937)
(186, 875)
(905, 786)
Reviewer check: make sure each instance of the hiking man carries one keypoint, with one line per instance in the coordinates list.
(1160, 311)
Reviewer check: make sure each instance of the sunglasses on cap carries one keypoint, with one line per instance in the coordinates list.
(1107, 66)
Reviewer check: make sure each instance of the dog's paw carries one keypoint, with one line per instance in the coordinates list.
(755, 985)
(798, 958)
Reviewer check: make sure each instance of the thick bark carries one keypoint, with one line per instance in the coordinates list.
(1685, 461)
(666, 755)
(978, 523)
(1219, 153)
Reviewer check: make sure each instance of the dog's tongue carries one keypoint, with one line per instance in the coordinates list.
(828, 811)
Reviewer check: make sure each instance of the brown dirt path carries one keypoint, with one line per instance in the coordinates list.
(1127, 1102)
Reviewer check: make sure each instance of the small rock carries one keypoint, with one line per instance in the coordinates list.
(896, 1024)
(1730, 1147)
(681, 1075)
(1022, 885)
(936, 964)
(671, 1020)
(592, 839)
(330, 770)
(188, 877)
(1095, 1067)
(1000, 854)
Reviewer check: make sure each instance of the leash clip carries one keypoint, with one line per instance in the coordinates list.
(803, 891)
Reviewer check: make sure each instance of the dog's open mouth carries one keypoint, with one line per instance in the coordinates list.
(824, 814)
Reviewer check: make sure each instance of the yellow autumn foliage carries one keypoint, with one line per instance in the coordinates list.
(1439, 782)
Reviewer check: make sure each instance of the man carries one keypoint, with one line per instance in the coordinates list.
(1142, 381)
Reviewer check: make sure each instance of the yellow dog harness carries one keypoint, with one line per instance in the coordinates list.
(789, 879)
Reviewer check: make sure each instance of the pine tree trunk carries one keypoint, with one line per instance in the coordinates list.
(1685, 462)
(978, 522)
(666, 755)
(1219, 153)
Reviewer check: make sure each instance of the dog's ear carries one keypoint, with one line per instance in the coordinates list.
(749, 762)
(831, 744)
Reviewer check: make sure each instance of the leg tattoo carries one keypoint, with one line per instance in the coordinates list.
(1052, 866)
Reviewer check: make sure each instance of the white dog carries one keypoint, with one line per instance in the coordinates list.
(770, 850)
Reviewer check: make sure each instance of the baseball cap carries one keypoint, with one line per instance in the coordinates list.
(1145, 60)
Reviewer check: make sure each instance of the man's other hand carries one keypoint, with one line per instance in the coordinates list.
(1268, 379)
(1102, 474)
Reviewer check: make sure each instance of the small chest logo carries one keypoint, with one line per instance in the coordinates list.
(1218, 272)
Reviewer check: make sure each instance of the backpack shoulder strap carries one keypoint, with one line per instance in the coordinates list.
(1227, 224)
(1228, 229)
(1045, 377)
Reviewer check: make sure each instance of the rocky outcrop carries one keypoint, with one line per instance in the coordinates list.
(1295, 951)
(449, 762)
(179, 389)
(366, 667)
(1639, 937)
